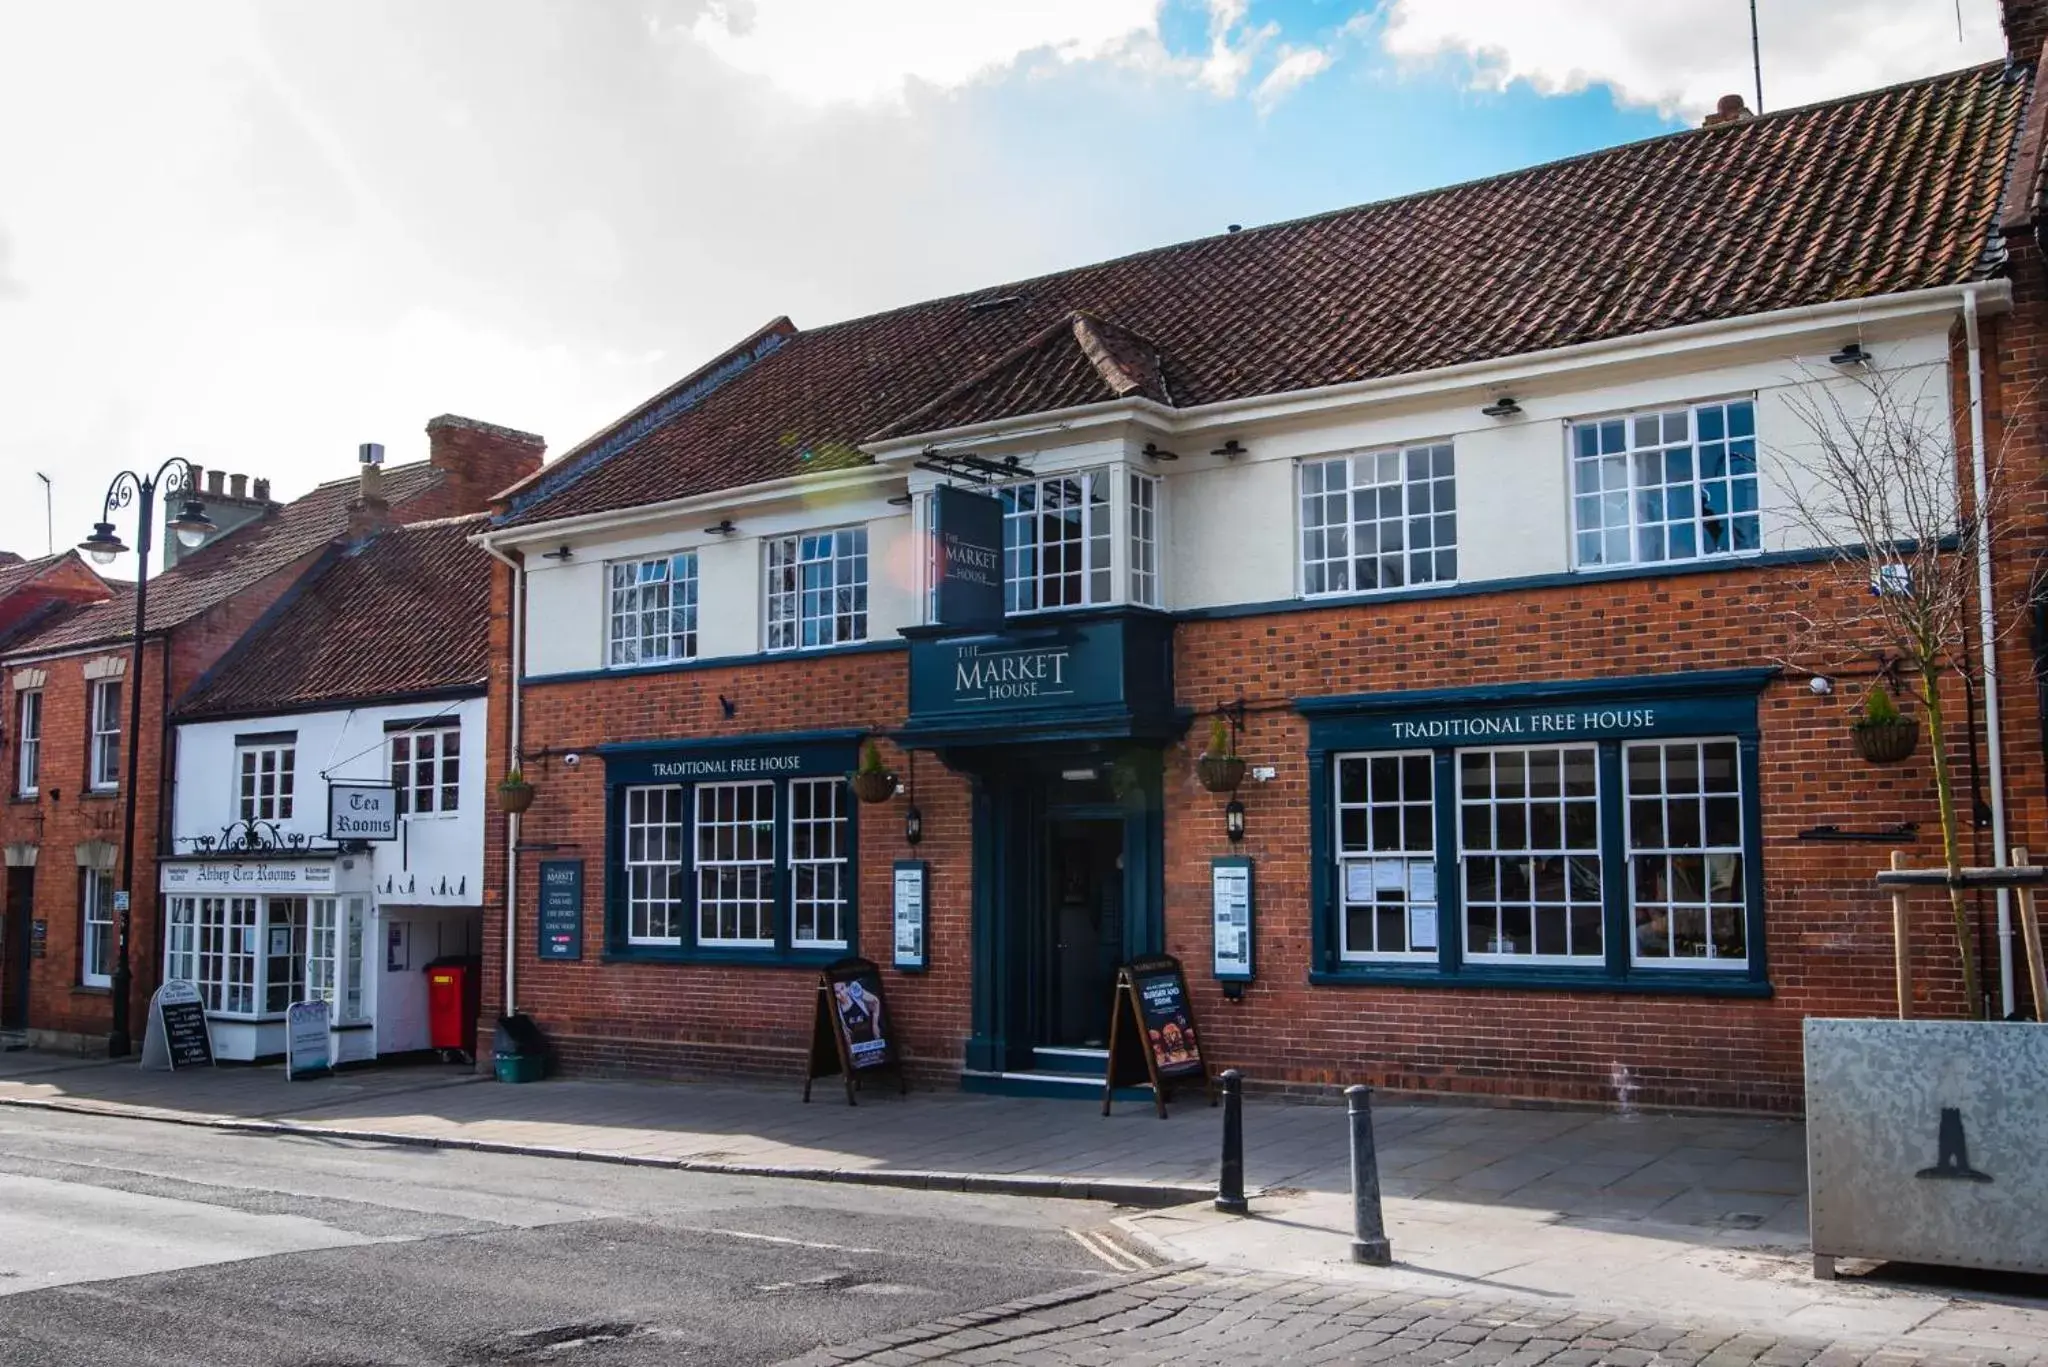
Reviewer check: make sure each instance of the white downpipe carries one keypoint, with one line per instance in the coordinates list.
(518, 609)
(1987, 636)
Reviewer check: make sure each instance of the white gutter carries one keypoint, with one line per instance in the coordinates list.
(1987, 636)
(518, 609)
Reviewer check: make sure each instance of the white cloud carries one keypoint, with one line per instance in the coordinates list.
(1296, 67)
(1679, 56)
(823, 52)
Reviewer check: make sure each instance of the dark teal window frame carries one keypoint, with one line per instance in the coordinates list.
(795, 756)
(1720, 703)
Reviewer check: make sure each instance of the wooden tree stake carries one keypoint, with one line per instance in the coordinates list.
(1901, 951)
(2030, 928)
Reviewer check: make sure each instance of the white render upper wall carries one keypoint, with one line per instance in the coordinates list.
(1230, 529)
(440, 860)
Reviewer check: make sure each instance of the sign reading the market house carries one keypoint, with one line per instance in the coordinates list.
(561, 909)
(176, 1035)
(254, 875)
(362, 811)
(967, 560)
(987, 673)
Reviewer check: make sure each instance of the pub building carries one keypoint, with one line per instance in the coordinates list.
(1464, 515)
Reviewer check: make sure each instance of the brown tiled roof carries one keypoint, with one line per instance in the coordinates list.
(15, 571)
(1884, 192)
(216, 572)
(406, 613)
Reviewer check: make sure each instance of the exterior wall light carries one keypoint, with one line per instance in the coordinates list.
(1233, 821)
(913, 826)
(1503, 407)
(1852, 354)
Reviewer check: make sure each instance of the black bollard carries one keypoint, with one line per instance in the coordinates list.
(1230, 1186)
(1370, 1242)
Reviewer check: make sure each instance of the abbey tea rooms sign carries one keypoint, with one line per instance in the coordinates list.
(362, 811)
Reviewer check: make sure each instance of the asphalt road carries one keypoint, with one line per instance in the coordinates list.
(127, 1241)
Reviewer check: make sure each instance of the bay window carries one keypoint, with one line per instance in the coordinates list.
(817, 589)
(252, 957)
(1679, 484)
(653, 611)
(1599, 833)
(1056, 542)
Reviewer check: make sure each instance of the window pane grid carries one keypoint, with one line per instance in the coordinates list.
(267, 781)
(1144, 514)
(653, 610)
(426, 769)
(96, 940)
(106, 734)
(1056, 542)
(818, 589)
(654, 865)
(735, 832)
(1386, 849)
(818, 855)
(1529, 837)
(1379, 520)
(1674, 485)
(1686, 888)
(29, 745)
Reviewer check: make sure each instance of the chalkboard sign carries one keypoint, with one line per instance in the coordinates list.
(561, 909)
(850, 1028)
(1152, 1040)
(177, 1036)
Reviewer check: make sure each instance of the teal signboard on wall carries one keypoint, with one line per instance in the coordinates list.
(967, 560)
(1106, 673)
(561, 909)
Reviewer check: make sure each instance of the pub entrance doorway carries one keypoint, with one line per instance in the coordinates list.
(1082, 940)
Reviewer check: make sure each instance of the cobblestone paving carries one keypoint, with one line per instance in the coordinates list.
(1190, 1315)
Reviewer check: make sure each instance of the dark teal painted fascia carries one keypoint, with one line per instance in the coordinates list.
(1692, 684)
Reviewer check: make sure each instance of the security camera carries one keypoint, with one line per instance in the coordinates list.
(1821, 685)
(572, 759)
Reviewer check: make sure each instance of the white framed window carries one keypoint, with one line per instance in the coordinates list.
(653, 617)
(227, 954)
(1379, 520)
(426, 769)
(1677, 484)
(284, 952)
(1386, 855)
(818, 589)
(735, 834)
(819, 862)
(352, 959)
(265, 778)
(28, 743)
(103, 753)
(96, 928)
(323, 962)
(1056, 542)
(1144, 525)
(1687, 896)
(655, 893)
(1529, 846)
(181, 940)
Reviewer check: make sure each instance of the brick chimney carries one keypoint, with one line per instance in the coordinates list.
(368, 513)
(479, 459)
(2026, 29)
(1731, 109)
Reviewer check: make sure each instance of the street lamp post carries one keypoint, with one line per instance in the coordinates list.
(103, 545)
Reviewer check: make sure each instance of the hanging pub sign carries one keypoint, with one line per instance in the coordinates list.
(362, 811)
(176, 1036)
(850, 1029)
(967, 560)
(1152, 1039)
(561, 909)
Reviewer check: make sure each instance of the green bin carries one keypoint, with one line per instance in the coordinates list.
(519, 1067)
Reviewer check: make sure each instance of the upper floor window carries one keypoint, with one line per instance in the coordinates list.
(28, 745)
(103, 749)
(1379, 520)
(818, 589)
(654, 610)
(426, 769)
(1056, 542)
(1675, 485)
(264, 767)
(1144, 522)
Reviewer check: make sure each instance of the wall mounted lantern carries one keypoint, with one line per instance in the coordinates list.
(1233, 821)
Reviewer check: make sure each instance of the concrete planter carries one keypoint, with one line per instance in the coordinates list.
(1924, 1142)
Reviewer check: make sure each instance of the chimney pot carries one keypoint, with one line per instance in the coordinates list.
(1731, 109)
(260, 491)
(238, 486)
(371, 453)
(216, 481)
(197, 478)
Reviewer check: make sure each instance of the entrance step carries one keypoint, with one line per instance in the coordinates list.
(1088, 1063)
(1073, 1086)
(12, 1041)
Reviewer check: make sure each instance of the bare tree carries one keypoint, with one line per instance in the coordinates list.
(1881, 482)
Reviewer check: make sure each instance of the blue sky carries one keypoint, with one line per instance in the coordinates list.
(257, 235)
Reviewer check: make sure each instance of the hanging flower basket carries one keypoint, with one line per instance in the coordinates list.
(873, 785)
(1886, 742)
(1220, 773)
(515, 797)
